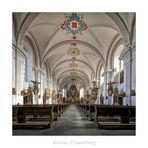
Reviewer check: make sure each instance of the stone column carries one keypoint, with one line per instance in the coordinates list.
(105, 88)
(36, 79)
(127, 58)
(15, 85)
(109, 78)
(98, 92)
(133, 75)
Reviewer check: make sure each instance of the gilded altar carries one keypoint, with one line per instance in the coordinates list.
(73, 94)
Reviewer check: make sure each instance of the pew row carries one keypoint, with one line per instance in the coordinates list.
(84, 108)
(37, 115)
(116, 116)
(110, 115)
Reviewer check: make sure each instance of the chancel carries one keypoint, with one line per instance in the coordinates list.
(74, 73)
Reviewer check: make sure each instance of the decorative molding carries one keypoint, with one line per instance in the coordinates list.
(74, 24)
(74, 52)
(73, 65)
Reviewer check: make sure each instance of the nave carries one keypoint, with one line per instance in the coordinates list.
(68, 69)
(74, 122)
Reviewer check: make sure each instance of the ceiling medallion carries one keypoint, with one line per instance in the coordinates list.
(73, 59)
(74, 37)
(73, 44)
(74, 52)
(73, 65)
(74, 24)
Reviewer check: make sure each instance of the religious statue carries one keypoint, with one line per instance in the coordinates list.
(132, 93)
(94, 92)
(30, 95)
(27, 96)
(54, 97)
(46, 95)
(35, 87)
(110, 88)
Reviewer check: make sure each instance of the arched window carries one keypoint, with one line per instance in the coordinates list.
(118, 64)
(21, 75)
(63, 93)
(82, 93)
(101, 76)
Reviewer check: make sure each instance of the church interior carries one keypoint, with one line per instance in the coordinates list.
(74, 73)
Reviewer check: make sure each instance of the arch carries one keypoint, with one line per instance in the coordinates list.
(75, 71)
(35, 48)
(113, 53)
(65, 61)
(47, 53)
(60, 78)
(48, 69)
(133, 28)
(113, 47)
(98, 70)
(114, 16)
(84, 78)
(65, 80)
(26, 23)
(14, 31)
(117, 53)
(121, 25)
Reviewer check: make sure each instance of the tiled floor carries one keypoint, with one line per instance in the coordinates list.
(73, 122)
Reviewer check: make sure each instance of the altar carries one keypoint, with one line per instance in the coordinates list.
(73, 94)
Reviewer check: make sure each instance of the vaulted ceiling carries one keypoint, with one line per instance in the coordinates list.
(73, 56)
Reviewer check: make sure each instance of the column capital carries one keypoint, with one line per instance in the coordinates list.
(109, 71)
(125, 54)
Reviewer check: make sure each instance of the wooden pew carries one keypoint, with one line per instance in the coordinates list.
(92, 112)
(23, 113)
(62, 107)
(84, 108)
(47, 113)
(123, 112)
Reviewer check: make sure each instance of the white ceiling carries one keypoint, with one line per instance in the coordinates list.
(52, 42)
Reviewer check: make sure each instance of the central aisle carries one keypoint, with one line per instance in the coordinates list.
(73, 122)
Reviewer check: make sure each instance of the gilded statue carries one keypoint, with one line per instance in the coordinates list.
(27, 96)
(35, 87)
(110, 88)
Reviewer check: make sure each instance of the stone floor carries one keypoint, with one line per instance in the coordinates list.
(73, 122)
